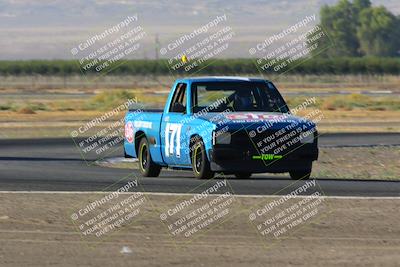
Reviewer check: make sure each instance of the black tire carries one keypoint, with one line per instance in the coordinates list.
(300, 175)
(146, 165)
(200, 162)
(242, 174)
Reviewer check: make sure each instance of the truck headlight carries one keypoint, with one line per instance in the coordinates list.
(307, 137)
(221, 138)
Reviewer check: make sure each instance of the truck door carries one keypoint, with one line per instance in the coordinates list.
(174, 129)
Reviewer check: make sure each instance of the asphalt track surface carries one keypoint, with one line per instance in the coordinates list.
(56, 165)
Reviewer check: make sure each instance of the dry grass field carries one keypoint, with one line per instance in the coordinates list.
(41, 106)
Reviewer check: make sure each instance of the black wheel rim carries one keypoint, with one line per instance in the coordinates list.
(197, 160)
(144, 155)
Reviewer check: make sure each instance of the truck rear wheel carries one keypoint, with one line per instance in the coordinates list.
(200, 162)
(147, 167)
(300, 175)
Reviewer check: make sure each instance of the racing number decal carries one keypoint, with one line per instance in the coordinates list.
(173, 132)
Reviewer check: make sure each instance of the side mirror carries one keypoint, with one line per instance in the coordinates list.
(178, 107)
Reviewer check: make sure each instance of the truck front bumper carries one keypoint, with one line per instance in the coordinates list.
(234, 159)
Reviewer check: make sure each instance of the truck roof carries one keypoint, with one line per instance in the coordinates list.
(221, 79)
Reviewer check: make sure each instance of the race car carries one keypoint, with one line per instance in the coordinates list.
(230, 125)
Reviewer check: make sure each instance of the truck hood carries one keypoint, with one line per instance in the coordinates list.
(252, 120)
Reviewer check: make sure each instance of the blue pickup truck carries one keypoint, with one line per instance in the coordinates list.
(229, 125)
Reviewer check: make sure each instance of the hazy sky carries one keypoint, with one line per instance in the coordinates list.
(48, 29)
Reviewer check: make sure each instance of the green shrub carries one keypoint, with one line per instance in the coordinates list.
(345, 65)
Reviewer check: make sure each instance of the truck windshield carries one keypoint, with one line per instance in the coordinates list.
(237, 96)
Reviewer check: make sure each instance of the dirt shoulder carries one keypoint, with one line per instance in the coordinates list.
(37, 230)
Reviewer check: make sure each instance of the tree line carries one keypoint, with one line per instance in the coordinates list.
(316, 65)
(358, 29)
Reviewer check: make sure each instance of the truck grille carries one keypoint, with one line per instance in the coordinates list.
(242, 140)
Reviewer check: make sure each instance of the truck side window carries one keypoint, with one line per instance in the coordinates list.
(178, 103)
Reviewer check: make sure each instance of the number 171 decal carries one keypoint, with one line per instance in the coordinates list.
(172, 136)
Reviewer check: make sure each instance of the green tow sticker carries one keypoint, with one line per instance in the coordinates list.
(267, 157)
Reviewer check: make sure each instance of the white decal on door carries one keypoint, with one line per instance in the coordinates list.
(172, 135)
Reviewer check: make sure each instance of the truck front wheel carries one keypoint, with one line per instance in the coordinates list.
(200, 162)
(147, 167)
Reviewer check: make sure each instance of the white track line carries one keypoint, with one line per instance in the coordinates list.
(189, 194)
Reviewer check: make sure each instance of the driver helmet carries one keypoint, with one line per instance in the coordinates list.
(243, 99)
